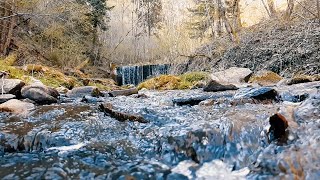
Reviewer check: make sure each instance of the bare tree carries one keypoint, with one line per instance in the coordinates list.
(318, 8)
(272, 8)
(289, 9)
(7, 22)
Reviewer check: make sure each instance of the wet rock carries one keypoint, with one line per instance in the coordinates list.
(90, 99)
(214, 86)
(208, 102)
(290, 97)
(265, 78)
(40, 94)
(189, 101)
(232, 75)
(309, 110)
(261, 94)
(120, 116)
(126, 92)
(17, 107)
(79, 92)
(6, 97)
(278, 128)
(11, 86)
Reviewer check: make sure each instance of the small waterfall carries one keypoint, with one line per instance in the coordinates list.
(137, 74)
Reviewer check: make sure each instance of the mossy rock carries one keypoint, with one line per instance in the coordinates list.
(194, 77)
(163, 82)
(265, 78)
(171, 82)
(300, 78)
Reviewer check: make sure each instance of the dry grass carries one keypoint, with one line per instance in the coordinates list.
(265, 77)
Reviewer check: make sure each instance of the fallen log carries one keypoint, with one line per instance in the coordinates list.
(126, 92)
(120, 116)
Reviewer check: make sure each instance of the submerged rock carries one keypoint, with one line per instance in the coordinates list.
(120, 116)
(79, 92)
(214, 86)
(232, 75)
(40, 94)
(17, 107)
(265, 78)
(6, 97)
(11, 86)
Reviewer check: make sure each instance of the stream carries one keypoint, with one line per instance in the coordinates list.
(75, 140)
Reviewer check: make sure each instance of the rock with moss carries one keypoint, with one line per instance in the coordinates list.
(40, 94)
(11, 86)
(79, 92)
(265, 78)
(163, 82)
(300, 78)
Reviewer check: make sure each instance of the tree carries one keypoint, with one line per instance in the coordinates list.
(215, 17)
(149, 14)
(7, 22)
(98, 19)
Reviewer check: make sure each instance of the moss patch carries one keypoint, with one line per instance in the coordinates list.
(265, 78)
(171, 82)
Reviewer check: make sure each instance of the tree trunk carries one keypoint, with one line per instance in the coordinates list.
(6, 25)
(217, 19)
(289, 9)
(318, 8)
(272, 9)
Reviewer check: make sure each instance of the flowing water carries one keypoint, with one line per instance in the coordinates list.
(73, 140)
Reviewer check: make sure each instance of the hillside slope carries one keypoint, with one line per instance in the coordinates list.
(285, 48)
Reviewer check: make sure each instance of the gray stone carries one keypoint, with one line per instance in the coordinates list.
(263, 93)
(6, 97)
(79, 92)
(232, 75)
(40, 94)
(11, 86)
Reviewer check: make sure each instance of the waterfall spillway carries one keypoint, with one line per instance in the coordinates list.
(137, 74)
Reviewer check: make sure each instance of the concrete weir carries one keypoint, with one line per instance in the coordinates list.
(137, 74)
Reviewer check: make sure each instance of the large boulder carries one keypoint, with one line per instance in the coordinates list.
(11, 86)
(214, 86)
(40, 94)
(17, 107)
(6, 97)
(80, 92)
(265, 78)
(232, 75)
